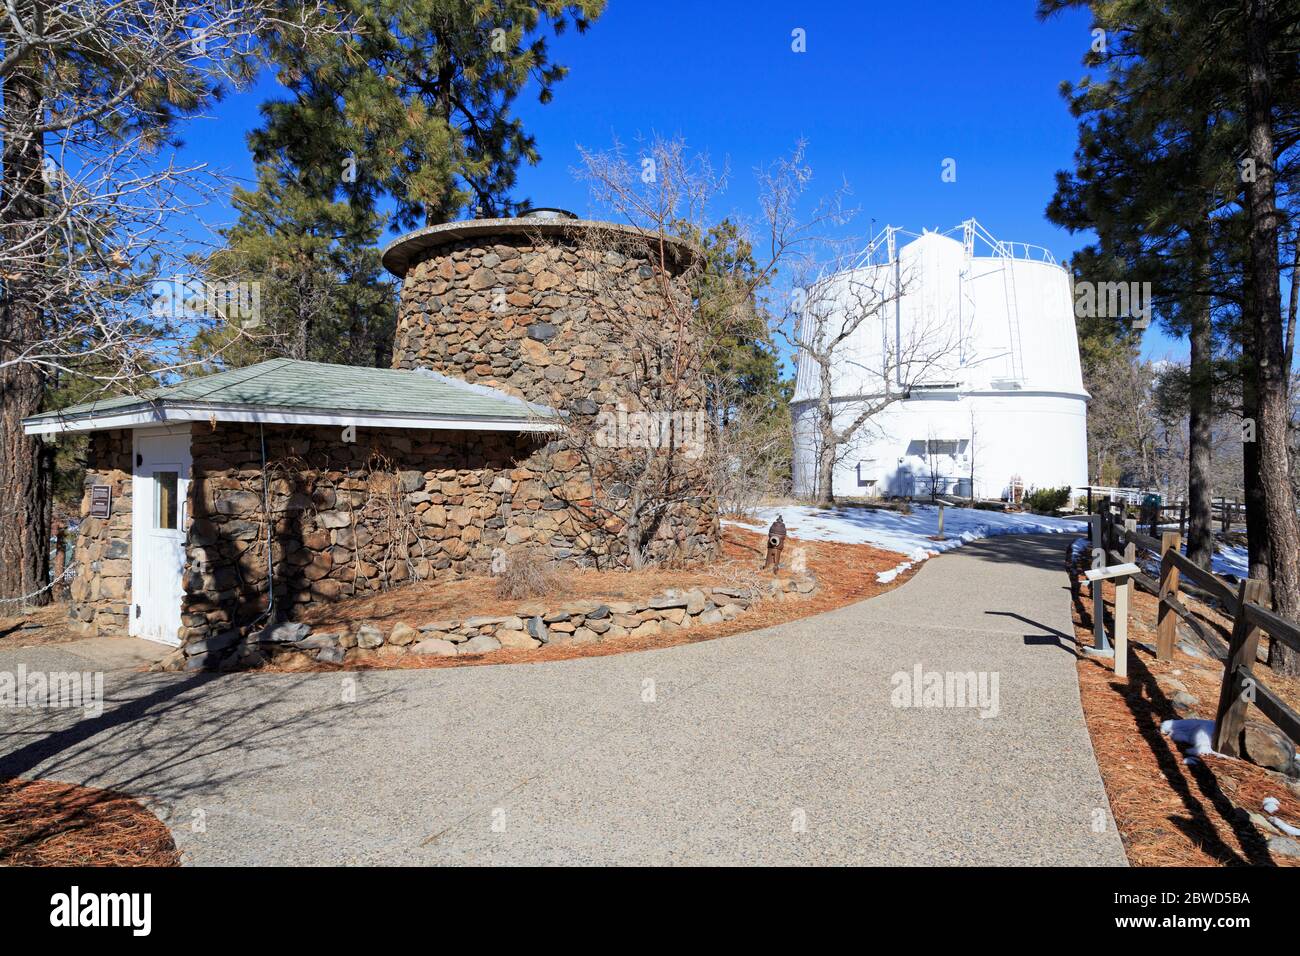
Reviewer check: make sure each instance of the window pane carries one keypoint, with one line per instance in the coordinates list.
(165, 482)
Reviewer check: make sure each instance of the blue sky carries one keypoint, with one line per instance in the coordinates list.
(884, 93)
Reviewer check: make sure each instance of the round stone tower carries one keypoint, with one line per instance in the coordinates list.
(553, 309)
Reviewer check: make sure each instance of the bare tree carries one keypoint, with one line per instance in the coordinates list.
(93, 205)
(823, 328)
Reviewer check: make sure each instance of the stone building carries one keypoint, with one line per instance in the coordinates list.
(225, 501)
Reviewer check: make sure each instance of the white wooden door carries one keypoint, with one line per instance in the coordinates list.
(159, 492)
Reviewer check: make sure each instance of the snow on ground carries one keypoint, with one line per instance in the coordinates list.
(1196, 735)
(1234, 560)
(907, 534)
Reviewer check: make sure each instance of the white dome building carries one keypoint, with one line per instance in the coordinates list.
(981, 343)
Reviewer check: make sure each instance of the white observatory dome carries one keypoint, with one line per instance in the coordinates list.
(981, 343)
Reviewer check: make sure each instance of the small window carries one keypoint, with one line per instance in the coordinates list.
(167, 512)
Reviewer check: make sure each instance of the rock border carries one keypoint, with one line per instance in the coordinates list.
(529, 627)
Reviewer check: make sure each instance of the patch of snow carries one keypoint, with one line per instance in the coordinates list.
(1234, 560)
(1284, 826)
(1271, 804)
(1196, 735)
(908, 534)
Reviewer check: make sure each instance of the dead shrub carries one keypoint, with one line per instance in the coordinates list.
(528, 573)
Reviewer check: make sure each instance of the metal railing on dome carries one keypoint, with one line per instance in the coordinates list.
(970, 229)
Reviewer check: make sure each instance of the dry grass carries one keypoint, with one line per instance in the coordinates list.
(1171, 813)
(44, 823)
(528, 574)
(845, 573)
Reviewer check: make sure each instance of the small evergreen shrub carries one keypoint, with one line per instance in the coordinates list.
(1047, 501)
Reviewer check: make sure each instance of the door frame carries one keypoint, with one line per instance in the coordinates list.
(141, 519)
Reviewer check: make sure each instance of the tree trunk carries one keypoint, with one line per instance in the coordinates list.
(1271, 374)
(1200, 530)
(826, 474)
(24, 490)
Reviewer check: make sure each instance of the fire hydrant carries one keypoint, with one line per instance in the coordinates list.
(775, 545)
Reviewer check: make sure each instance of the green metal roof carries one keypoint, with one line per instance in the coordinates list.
(291, 386)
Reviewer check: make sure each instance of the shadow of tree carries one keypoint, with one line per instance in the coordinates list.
(171, 740)
(1149, 706)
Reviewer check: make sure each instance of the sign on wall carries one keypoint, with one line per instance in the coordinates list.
(101, 501)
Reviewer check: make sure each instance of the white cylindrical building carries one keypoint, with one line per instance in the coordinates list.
(970, 374)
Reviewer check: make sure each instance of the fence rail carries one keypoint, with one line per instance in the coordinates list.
(1245, 603)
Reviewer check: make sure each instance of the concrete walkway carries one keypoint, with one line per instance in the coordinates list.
(779, 746)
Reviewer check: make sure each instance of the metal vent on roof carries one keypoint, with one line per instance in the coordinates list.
(548, 212)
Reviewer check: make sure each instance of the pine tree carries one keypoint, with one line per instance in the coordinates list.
(415, 105)
(322, 293)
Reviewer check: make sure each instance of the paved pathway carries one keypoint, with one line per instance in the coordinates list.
(780, 746)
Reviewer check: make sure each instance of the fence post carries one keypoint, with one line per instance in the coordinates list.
(1098, 603)
(1182, 518)
(1226, 516)
(1167, 620)
(1230, 718)
(1122, 592)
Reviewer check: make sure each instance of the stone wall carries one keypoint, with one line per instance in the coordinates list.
(558, 323)
(100, 590)
(346, 518)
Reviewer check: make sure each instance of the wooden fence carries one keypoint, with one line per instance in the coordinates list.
(1245, 603)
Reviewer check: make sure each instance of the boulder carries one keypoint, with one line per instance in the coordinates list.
(584, 635)
(1265, 745)
(667, 601)
(483, 621)
(285, 632)
(483, 644)
(516, 639)
(537, 629)
(330, 655)
(369, 637)
(439, 626)
(695, 601)
(435, 647)
(403, 634)
(1184, 703)
(211, 645)
(730, 611)
(1284, 846)
(710, 617)
(511, 624)
(646, 629)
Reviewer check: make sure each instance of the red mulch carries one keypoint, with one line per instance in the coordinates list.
(1170, 813)
(44, 823)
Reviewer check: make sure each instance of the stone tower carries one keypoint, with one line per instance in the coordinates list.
(539, 306)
